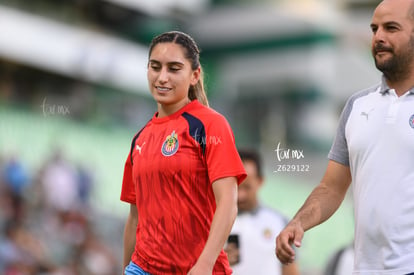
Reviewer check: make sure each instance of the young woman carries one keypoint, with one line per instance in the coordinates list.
(182, 172)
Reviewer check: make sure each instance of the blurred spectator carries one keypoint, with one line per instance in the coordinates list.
(15, 176)
(21, 252)
(342, 262)
(97, 259)
(40, 234)
(85, 185)
(250, 246)
(60, 183)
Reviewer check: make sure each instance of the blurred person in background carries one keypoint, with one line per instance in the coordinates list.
(15, 181)
(251, 242)
(182, 172)
(21, 252)
(60, 183)
(15, 176)
(342, 262)
(95, 257)
(35, 238)
(373, 148)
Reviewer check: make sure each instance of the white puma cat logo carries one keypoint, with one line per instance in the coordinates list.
(139, 148)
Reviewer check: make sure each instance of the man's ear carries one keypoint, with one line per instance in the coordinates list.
(261, 181)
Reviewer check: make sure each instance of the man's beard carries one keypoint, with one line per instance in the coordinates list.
(396, 67)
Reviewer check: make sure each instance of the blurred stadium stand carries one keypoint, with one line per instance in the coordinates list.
(73, 79)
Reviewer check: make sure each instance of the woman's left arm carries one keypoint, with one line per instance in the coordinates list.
(225, 193)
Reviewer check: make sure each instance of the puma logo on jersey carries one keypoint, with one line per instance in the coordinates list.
(139, 148)
(366, 114)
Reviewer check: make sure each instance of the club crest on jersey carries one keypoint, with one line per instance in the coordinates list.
(267, 233)
(170, 145)
(411, 121)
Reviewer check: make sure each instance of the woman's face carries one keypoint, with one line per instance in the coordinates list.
(170, 76)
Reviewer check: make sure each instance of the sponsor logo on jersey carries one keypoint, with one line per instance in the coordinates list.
(411, 121)
(170, 145)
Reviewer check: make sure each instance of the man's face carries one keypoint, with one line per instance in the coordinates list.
(248, 190)
(393, 39)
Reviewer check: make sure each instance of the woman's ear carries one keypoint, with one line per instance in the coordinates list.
(195, 77)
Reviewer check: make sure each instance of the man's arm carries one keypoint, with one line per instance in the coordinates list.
(291, 269)
(318, 207)
(130, 235)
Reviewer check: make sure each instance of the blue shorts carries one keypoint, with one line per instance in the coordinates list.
(133, 269)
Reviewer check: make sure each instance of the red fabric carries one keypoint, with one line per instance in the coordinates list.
(173, 193)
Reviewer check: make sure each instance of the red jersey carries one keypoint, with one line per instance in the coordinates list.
(168, 175)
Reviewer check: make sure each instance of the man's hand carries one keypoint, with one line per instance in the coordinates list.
(233, 253)
(291, 235)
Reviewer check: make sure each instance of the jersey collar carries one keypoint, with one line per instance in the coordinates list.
(253, 211)
(383, 88)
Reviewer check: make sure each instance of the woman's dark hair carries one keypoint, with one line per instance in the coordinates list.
(192, 54)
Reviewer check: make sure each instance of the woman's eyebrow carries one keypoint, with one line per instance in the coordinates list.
(168, 63)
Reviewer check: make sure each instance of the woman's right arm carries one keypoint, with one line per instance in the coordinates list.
(130, 235)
